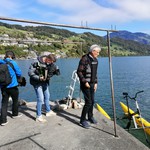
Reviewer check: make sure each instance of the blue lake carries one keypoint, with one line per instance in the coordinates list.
(130, 74)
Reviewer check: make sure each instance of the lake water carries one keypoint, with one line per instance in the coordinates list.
(130, 74)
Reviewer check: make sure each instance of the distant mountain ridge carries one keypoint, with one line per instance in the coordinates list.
(138, 36)
(62, 41)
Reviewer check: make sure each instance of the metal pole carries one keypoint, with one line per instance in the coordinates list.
(111, 82)
(79, 27)
(54, 24)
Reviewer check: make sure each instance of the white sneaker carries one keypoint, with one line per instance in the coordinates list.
(3, 124)
(41, 119)
(19, 115)
(50, 113)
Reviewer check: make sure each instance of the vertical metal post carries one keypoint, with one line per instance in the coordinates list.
(111, 82)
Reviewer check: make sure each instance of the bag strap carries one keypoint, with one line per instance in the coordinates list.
(11, 65)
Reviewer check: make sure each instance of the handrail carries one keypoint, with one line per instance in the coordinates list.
(54, 24)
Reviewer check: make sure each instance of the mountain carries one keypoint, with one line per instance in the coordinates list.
(138, 36)
(70, 44)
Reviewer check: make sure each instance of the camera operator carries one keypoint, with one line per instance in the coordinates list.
(40, 73)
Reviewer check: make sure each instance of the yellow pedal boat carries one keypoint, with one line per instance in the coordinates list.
(141, 122)
(101, 110)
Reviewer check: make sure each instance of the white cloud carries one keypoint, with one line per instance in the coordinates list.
(68, 4)
(77, 11)
(134, 9)
(14, 8)
(8, 7)
(87, 10)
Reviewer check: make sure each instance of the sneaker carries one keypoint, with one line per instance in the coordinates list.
(3, 124)
(84, 124)
(50, 113)
(18, 116)
(41, 119)
(92, 120)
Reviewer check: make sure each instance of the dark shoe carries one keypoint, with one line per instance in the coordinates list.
(4, 123)
(92, 120)
(84, 124)
(19, 115)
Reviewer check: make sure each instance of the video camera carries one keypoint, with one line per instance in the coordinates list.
(52, 69)
(57, 71)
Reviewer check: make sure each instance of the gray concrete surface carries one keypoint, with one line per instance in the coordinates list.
(63, 132)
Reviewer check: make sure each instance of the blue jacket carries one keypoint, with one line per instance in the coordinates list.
(13, 72)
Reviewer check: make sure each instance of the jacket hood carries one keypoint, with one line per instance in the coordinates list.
(40, 59)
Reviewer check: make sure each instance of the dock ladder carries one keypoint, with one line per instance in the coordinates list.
(74, 78)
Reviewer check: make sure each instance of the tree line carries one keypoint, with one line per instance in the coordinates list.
(79, 42)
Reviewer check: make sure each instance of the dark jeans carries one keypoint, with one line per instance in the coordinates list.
(6, 93)
(89, 101)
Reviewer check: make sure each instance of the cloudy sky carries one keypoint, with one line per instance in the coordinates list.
(130, 15)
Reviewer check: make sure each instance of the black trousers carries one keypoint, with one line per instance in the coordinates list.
(6, 93)
(89, 101)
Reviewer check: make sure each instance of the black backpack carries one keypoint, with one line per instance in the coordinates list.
(5, 77)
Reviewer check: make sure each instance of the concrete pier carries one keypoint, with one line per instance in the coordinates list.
(63, 132)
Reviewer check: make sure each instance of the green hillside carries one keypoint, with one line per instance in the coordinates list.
(63, 42)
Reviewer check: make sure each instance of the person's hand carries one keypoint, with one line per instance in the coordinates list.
(95, 87)
(42, 78)
(87, 85)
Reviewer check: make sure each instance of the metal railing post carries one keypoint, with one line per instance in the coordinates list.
(111, 83)
(80, 27)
